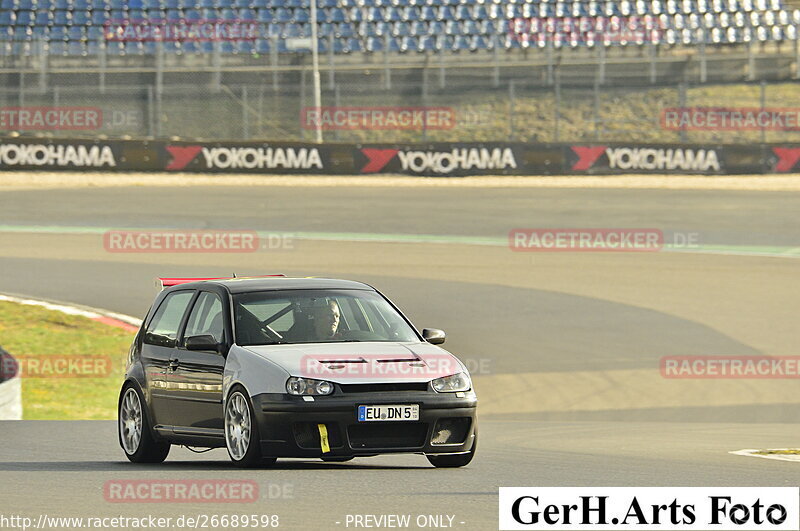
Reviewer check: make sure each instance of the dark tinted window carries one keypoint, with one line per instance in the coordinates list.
(163, 328)
(206, 317)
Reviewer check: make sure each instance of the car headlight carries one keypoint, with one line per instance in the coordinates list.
(452, 384)
(307, 386)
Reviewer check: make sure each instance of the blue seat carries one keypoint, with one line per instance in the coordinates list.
(392, 15)
(43, 18)
(445, 13)
(345, 29)
(427, 44)
(375, 14)
(463, 13)
(75, 33)
(339, 46)
(192, 15)
(325, 29)
(57, 48)
(453, 27)
(209, 14)
(245, 48)
(470, 27)
(61, 18)
(302, 15)
(228, 15)
(25, 4)
(264, 15)
(382, 28)
(392, 45)
(207, 47)
(291, 31)
(336, 15)
(408, 44)
(356, 15)
(419, 29)
(204, 4)
(283, 15)
(478, 43)
(172, 47)
(99, 18)
(170, 4)
(263, 46)
(374, 44)
(436, 28)
(150, 4)
(353, 45)
(428, 14)
(410, 14)
(24, 18)
(282, 48)
(461, 43)
(174, 15)
(401, 29)
(81, 18)
(246, 14)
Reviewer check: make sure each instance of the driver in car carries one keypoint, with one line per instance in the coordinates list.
(317, 322)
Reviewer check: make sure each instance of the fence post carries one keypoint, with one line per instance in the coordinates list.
(557, 125)
(751, 62)
(496, 61)
(245, 122)
(331, 73)
(150, 112)
(703, 59)
(549, 55)
(682, 105)
(387, 72)
(601, 64)
(596, 108)
(796, 52)
(763, 91)
(273, 56)
(42, 65)
(651, 48)
(511, 111)
(103, 60)
(441, 69)
(337, 101)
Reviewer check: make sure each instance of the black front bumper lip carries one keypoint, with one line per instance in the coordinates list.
(278, 413)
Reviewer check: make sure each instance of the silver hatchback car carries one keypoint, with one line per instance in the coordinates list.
(273, 367)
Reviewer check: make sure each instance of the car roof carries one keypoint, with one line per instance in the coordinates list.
(246, 285)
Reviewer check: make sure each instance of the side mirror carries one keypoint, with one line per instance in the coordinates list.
(204, 342)
(433, 336)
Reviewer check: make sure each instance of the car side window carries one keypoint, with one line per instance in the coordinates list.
(206, 318)
(163, 328)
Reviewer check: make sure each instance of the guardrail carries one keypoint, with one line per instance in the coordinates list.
(10, 388)
(431, 159)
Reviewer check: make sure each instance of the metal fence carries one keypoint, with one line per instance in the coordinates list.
(545, 98)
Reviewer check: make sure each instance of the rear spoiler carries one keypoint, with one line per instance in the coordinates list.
(167, 282)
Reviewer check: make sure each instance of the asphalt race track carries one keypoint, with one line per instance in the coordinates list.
(565, 347)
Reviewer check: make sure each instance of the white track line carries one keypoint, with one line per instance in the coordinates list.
(95, 314)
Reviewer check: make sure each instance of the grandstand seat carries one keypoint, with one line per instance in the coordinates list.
(353, 45)
(374, 44)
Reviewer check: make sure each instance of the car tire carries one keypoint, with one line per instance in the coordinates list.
(242, 438)
(135, 431)
(454, 461)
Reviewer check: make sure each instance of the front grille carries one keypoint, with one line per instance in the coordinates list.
(306, 435)
(388, 435)
(384, 387)
(451, 430)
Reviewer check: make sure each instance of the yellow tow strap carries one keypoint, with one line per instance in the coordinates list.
(323, 438)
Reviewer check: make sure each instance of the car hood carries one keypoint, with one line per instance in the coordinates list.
(362, 362)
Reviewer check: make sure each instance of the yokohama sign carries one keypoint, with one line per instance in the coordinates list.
(459, 160)
(656, 159)
(20, 156)
(245, 158)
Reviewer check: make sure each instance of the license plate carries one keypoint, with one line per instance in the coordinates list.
(387, 413)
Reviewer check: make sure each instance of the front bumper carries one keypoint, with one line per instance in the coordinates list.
(288, 425)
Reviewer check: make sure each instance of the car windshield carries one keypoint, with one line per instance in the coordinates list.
(317, 316)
